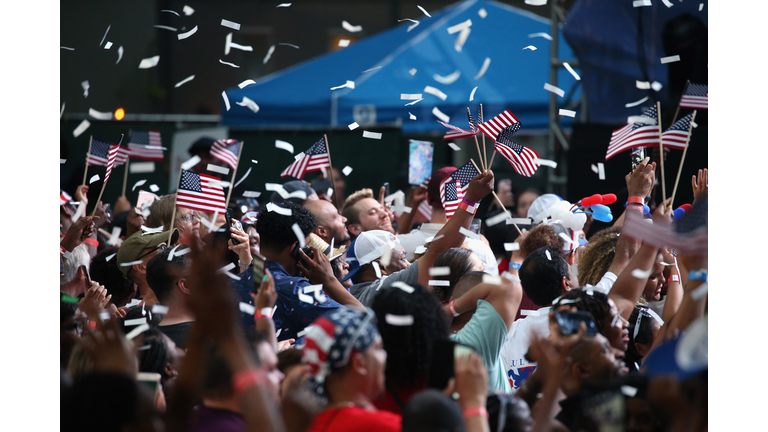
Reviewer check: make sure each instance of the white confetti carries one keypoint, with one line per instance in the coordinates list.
(530, 47)
(279, 210)
(448, 79)
(486, 63)
(640, 119)
(227, 267)
(433, 91)
(251, 105)
(376, 269)
(350, 28)
(141, 167)
(62, 161)
(482, 12)
(461, 39)
(641, 3)
(160, 309)
(497, 219)
(459, 27)
(229, 64)
(536, 2)
(567, 113)
(137, 331)
(454, 147)
(108, 45)
(628, 391)
(284, 5)
(138, 183)
(420, 250)
(299, 234)
(434, 282)
(110, 257)
(67, 48)
(656, 86)
(231, 24)
(545, 162)
(164, 27)
(170, 11)
(573, 72)
(287, 44)
(353, 126)
(594, 168)
(189, 163)
(344, 43)
(386, 255)
(329, 193)
(670, 59)
(521, 221)
(425, 12)
(440, 271)
(399, 320)
(309, 289)
(147, 230)
(556, 90)
(507, 275)
(247, 308)
(154, 188)
(218, 169)
(119, 54)
(114, 237)
(701, 6)
(226, 99)
(469, 233)
(269, 54)
(184, 81)
(472, 95)
(414, 102)
(373, 68)
(99, 115)
(347, 170)
(93, 179)
(372, 135)
(149, 62)
(251, 194)
(412, 71)
(642, 274)
(187, 34)
(528, 312)
(632, 104)
(245, 83)
(411, 116)
(700, 291)
(62, 110)
(439, 114)
(549, 257)
(105, 34)
(188, 10)
(79, 212)
(243, 177)
(403, 286)
(491, 280)
(642, 85)
(85, 85)
(349, 84)
(601, 171)
(511, 246)
(406, 96)
(542, 34)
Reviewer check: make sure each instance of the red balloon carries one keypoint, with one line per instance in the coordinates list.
(609, 199)
(594, 199)
(685, 207)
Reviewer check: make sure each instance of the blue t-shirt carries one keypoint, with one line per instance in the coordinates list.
(293, 315)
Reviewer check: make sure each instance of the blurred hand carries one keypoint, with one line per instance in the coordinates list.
(284, 345)
(640, 181)
(419, 194)
(122, 204)
(318, 269)
(664, 212)
(94, 301)
(480, 186)
(134, 222)
(78, 232)
(243, 247)
(81, 194)
(266, 296)
(471, 381)
(700, 185)
(102, 218)
(109, 349)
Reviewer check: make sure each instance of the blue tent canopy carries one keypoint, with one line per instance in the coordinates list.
(399, 61)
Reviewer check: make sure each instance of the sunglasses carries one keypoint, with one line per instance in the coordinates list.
(160, 247)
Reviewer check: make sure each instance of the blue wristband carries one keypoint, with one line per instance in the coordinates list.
(697, 275)
(514, 265)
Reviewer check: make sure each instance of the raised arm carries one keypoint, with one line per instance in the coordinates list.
(505, 298)
(406, 219)
(450, 236)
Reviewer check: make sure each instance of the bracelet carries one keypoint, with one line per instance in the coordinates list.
(92, 242)
(635, 200)
(514, 265)
(263, 313)
(468, 205)
(65, 253)
(675, 278)
(481, 411)
(453, 309)
(246, 379)
(244, 266)
(469, 201)
(697, 275)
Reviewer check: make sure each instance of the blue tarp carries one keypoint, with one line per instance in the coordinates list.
(301, 97)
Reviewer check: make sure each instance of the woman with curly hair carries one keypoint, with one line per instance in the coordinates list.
(597, 256)
(409, 347)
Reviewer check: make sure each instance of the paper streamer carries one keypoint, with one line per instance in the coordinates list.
(642, 274)
(149, 62)
(299, 234)
(541, 34)
(99, 115)
(350, 28)
(556, 90)
(348, 84)
(670, 59)
(347, 170)
(486, 63)
(491, 280)
(469, 233)
(165, 27)
(344, 43)
(160, 309)
(632, 104)
(549, 257)
(472, 94)
(188, 10)
(511, 246)
(284, 146)
(454, 147)
(231, 24)
(141, 167)
(405, 96)
(434, 282)
(461, 39)
(243, 177)
(372, 135)
(519, 221)
(246, 83)
(279, 210)
(545, 162)
(530, 47)
(251, 194)
(440, 271)
(567, 113)
(700, 291)
(573, 72)
(482, 12)
(154, 188)
(119, 54)
(399, 320)
(226, 99)
(403, 286)
(497, 219)
(247, 308)
(187, 34)
(269, 54)
(284, 5)
(628, 391)
(411, 116)
(137, 331)
(218, 169)
(439, 114)
(459, 27)
(229, 64)
(85, 124)
(184, 81)
(435, 92)
(189, 163)
(353, 126)
(601, 171)
(93, 179)
(448, 79)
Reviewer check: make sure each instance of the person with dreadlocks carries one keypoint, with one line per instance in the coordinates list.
(644, 325)
(409, 347)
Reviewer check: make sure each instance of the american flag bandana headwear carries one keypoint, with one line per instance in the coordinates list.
(332, 338)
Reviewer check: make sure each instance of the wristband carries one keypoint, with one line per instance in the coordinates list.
(635, 200)
(92, 242)
(514, 265)
(453, 309)
(244, 266)
(675, 278)
(697, 275)
(263, 313)
(65, 253)
(468, 205)
(246, 379)
(469, 201)
(481, 411)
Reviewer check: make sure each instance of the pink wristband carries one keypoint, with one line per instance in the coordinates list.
(479, 411)
(453, 309)
(246, 379)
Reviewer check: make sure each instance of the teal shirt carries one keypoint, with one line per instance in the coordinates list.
(485, 333)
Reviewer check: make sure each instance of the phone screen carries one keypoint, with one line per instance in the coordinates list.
(441, 364)
(258, 271)
(569, 322)
(637, 156)
(87, 277)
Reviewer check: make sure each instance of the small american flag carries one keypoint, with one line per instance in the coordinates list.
(522, 158)
(146, 145)
(695, 96)
(456, 132)
(644, 133)
(493, 127)
(677, 134)
(111, 159)
(100, 150)
(314, 159)
(425, 210)
(472, 122)
(454, 186)
(200, 192)
(227, 151)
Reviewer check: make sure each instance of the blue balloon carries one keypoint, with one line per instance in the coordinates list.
(602, 217)
(679, 212)
(646, 209)
(599, 208)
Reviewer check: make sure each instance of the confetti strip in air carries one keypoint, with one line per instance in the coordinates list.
(573, 72)
(231, 24)
(182, 36)
(484, 68)
(149, 62)
(567, 113)
(184, 81)
(556, 90)
(372, 135)
(81, 128)
(399, 320)
(440, 271)
(670, 59)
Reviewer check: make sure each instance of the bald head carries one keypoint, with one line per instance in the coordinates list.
(330, 224)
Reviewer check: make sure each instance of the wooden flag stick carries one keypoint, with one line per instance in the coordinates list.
(234, 171)
(85, 174)
(125, 175)
(485, 156)
(492, 156)
(677, 111)
(685, 150)
(330, 172)
(504, 209)
(479, 153)
(661, 154)
(104, 184)
(173, 213)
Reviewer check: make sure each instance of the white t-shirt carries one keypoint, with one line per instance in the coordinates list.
(418, 237)
(517, 368)
(606, 283)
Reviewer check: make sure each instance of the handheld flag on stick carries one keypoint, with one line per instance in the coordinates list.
(522, 158)
(146, 145)
(314, 159)
(678, 134)
(200, 192)
(695, 96)
(227, 151)
(685, 149)
(454, 186)
(114, 151)
(456, 132)
(642, 133)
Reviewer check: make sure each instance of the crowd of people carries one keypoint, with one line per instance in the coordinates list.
(324, 311)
